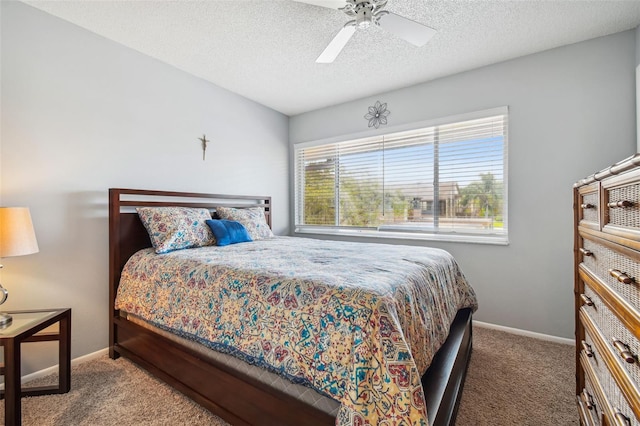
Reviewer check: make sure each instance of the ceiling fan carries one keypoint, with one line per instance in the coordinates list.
(365, 14)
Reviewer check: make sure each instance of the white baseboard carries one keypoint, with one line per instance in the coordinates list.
(526, 333)
(54, 369)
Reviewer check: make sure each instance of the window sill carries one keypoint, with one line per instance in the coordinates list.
(502, 240)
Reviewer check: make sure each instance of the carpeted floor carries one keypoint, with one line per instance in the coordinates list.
(516, 380)
(512, 380)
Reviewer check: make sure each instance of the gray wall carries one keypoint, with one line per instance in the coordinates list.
(637, 45)
(572, 112)
(81, 114)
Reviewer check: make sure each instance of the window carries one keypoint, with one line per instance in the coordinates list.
(445, 181)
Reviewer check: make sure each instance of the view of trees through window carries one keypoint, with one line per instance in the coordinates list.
(441, 179)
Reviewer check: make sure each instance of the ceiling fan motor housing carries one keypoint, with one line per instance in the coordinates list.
(364, 11)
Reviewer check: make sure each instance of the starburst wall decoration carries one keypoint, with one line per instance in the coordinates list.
(377, 114)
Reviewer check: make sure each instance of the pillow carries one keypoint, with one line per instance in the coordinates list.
(228, 232)
(252, 219)
(176, 228)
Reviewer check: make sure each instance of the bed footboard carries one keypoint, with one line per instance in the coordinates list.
(444, 380)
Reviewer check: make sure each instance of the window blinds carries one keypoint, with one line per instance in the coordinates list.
(442, 179)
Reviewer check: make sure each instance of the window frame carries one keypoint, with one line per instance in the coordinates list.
(443, 236)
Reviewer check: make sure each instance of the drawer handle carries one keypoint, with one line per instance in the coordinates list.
(621, 419)
(586, 252)
(586, 300)
(621, 276)
(587, 206)
(587, 399)
(623, 351)
(587, 349)
(615, 204)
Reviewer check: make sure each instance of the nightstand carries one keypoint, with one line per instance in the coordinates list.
(23, 329)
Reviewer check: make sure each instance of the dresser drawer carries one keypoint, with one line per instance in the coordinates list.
(616, 379)
(618, 271)
(626, 347)
(591, 403)
(621, 205)
(602, 398)
(589, 409)
(588, 206)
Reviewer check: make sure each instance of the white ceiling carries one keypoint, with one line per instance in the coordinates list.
(265, 50)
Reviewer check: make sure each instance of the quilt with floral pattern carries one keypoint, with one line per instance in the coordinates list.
(359, 323)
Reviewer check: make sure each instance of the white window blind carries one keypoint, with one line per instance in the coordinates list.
(446, 181)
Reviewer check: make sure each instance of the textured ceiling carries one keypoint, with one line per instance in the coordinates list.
(265, 50)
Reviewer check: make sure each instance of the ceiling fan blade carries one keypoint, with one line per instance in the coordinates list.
(337, 44)
(331, 4)
(412, 31)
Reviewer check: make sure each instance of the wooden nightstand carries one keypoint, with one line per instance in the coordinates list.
(23, 329)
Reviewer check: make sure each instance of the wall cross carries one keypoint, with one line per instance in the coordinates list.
(204, 141)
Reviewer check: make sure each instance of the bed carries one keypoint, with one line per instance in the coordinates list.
(249, 382)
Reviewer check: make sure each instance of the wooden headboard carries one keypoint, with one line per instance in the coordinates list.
(127, 234)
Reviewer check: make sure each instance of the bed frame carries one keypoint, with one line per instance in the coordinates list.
(237, 398)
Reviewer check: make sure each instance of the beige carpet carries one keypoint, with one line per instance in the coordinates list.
(515, 380)
(512, 380)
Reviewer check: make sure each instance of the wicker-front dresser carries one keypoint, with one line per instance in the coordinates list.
(607, 295)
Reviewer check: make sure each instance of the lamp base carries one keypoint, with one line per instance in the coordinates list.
(5, 320)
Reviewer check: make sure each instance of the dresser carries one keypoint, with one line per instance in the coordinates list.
(607, 294)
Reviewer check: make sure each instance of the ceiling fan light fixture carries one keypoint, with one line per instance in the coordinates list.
(364, 23)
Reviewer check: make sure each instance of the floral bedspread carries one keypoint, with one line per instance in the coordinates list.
(358, 322)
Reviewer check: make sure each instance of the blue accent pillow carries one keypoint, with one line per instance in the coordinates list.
(228, 232)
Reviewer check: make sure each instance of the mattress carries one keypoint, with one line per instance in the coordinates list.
(358, 323)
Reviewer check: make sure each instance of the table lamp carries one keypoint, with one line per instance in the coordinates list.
(17, 238)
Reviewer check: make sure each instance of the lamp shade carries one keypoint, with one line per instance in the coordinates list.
(17, 237)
